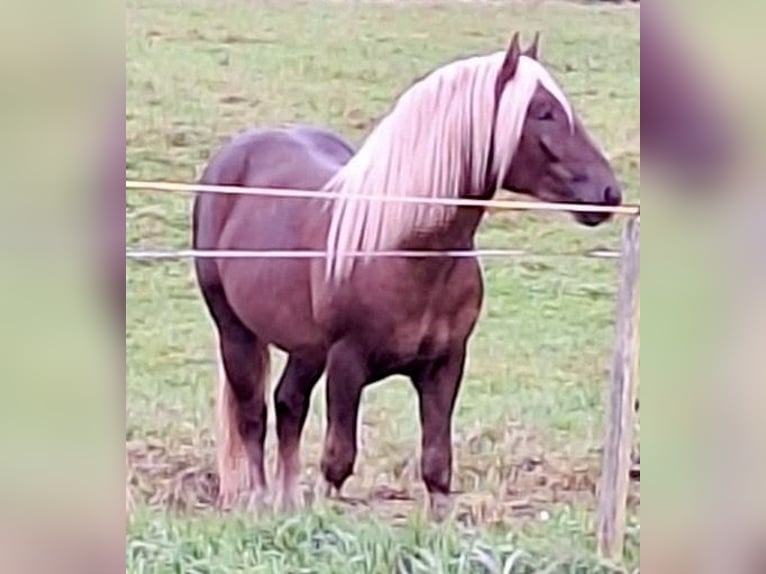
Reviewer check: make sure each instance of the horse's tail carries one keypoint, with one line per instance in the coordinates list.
(209, 214)
(234, 470)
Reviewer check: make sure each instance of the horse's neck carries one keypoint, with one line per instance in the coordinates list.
(457, 233)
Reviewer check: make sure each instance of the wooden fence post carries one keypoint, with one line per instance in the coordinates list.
(615, 479)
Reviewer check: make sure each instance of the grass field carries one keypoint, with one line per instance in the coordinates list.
(530, 415)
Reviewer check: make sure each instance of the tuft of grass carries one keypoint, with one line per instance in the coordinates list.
(330, 543)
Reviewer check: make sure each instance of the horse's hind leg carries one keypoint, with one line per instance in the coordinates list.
(437, 386)
(244, 366)
(242, 415)
(292, 399)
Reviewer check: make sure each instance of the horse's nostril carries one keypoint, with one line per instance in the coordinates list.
(612, 195)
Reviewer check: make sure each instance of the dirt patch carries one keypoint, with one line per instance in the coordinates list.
(177, 477)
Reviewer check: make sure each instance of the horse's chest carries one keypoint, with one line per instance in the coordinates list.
(406, 317)
(423, 336)
(432, 329)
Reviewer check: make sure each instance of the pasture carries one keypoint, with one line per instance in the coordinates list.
(529, 419)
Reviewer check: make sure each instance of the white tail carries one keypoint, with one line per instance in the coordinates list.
(234, 467)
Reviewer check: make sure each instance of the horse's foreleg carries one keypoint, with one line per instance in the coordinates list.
(347, 372)
(292, 399)
(437, 386)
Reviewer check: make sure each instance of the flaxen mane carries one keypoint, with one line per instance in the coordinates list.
(438, 130)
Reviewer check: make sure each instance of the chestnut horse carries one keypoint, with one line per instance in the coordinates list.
(466, 130)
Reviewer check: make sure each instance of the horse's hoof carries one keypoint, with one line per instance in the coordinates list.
(289, 502)
(249, 501)
(330, 491)
(439, 506)
(258, 502)
(226, 501)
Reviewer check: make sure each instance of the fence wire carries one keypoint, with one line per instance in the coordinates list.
(138, 254)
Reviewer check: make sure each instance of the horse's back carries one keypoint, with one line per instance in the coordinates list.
(271, 296)
(324, 141)
(301, 157)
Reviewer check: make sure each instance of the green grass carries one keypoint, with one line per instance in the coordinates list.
(530, 414)
(329, 543)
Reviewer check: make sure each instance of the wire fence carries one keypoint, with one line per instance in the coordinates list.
(171, 187)
(493, 204)
(299, 254)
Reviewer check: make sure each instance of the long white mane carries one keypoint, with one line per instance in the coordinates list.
(438, 130)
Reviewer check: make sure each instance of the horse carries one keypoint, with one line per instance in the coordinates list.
(465, 130)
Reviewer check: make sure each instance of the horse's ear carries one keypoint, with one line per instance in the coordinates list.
(533, 50)
(511, 62)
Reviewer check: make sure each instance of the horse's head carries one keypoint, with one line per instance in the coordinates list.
(555, 159)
